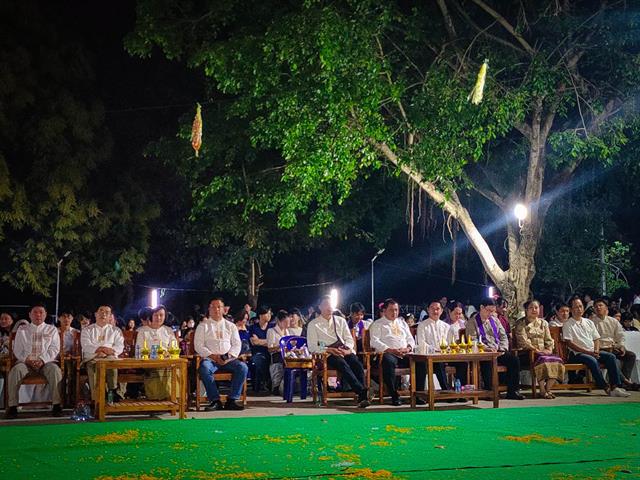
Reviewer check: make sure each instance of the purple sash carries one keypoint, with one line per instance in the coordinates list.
(540, 359)
(483, 335)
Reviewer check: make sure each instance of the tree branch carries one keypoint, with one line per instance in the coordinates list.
(400, 106)
(508, 27)
(493, 197)
(448, 22)
(452, 205)
(484, 30)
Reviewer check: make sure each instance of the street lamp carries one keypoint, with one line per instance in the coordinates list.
(333, 299)
(58, 281)
(373, 311)
(154, 298)
(520, 211)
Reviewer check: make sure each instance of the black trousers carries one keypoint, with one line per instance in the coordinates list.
(628, 362)
(440, 370)
(389, 364)
(509, 360)
(351, 370)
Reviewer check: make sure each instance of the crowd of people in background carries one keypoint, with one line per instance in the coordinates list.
(245, 343)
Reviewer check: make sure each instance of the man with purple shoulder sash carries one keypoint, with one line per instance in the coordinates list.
(485, 327)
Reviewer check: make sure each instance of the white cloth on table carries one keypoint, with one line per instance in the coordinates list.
(632, 342)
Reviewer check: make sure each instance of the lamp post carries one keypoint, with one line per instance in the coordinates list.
(373, 311)
(58, 281)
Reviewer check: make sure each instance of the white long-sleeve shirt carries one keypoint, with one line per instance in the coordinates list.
(321, 330)
(275, 334)
(385, 334)
(610, 330)
(95, 336)
(155, 336)
(37, 342)
(432, 333)
(217, 337)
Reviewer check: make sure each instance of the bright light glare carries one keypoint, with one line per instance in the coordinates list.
(154, 298)
(333, 298)
(490, 292)
(520, 211)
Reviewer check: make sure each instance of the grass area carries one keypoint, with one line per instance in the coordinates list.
(572, 442)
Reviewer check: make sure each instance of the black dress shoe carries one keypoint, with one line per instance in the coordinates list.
(396, 402)
(420, 401)
(11, 413)
(214, 406)
(515, 396)
(56, 411)
(232, 405)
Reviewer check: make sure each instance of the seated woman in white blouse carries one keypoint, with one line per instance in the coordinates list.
(157, 383)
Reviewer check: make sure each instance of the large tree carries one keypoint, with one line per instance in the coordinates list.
(339, 88)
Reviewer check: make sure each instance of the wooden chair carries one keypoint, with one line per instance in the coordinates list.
(33, 378)
(531, 358)
(69, 359)
(373, 356)
(320, 374)
(563, 352)
(218, 377)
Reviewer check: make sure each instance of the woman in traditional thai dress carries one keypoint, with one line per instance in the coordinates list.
(532, 333)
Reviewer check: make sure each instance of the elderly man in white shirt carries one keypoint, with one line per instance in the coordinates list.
(612, 340)
(432, 331)
(330, 333)
(218, 343)
(101, 340)
(391, 337)
(36, 348)
(583, 340)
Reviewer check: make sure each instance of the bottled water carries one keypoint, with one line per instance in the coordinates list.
(137, 351)
(457, 385)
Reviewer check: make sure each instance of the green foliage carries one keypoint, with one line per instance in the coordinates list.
(322, 83)
(54, 193)
(232, 221)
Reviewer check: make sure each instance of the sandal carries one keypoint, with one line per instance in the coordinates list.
(552, 395)
(548, 396)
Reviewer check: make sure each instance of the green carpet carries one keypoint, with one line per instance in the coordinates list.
(575, 442)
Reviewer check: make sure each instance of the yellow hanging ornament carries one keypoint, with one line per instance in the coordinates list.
(196, 130)
(476, 94)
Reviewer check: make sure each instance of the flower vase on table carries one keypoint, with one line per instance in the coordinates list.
(443, 346)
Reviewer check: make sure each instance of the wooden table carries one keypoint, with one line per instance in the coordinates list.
(178, 392)
(471, 358)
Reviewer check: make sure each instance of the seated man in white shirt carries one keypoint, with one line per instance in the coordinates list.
(330, 333)
(36, 348)
(583, 340)
(101, 340)
(612, 340)
(432, 331)
(391, 337)
(65, 318)
(217, 341)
